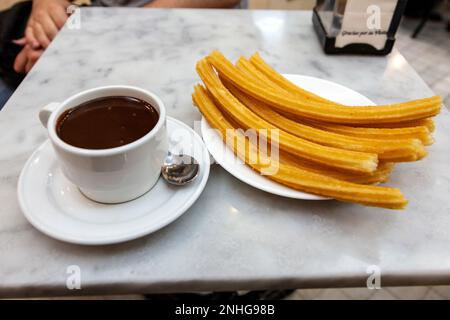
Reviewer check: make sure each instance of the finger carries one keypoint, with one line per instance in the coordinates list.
(21, 61)
(40, 35)
(31, 38)
(49, 27)
(33, 56)
(20, 42)
(29, 65)
(59, 16)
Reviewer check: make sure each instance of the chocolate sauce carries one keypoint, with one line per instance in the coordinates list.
(107, 122)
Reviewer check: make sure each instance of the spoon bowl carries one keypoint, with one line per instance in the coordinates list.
(179, 169)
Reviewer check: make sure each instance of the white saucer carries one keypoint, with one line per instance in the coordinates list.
(226, 158)
(56, 207)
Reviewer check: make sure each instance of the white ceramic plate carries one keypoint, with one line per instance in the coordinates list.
(56, 207)
(225, 157)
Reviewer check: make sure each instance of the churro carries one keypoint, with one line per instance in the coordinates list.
(395, 150)
(275, 78)
(265, 72)
(250, 70)
(388, 134)
(407, 111)
(428, 123)
(418, 129)
(339, 158)
(381, 174)
(294, 177)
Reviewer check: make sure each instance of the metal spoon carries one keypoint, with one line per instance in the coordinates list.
(179, 169)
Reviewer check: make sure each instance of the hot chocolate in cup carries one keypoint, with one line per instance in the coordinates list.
(110, 141)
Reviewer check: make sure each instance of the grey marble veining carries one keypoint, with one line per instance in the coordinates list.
(234, 236)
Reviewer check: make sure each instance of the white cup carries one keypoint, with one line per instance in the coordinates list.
(117, 174)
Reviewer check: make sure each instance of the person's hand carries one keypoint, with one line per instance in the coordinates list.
(26, 58)
(46, 19)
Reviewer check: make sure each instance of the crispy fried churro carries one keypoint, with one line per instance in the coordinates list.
(251, 71)
(276, 79)
(339, 158)
(294, 177)
(387, 134)
(428, 123)
(381, 174)
(412, 110)
(394, 150)
(421, 133)
(419, 129)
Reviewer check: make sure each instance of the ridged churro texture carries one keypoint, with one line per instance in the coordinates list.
(294, 176)
(398, 150)
(325, 148)
(324, 111)
(340, 158)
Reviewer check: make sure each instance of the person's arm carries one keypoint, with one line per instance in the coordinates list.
(192, 3)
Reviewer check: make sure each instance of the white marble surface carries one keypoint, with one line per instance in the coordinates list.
(234, 236)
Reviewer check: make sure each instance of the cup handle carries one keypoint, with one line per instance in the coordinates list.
(46, 111)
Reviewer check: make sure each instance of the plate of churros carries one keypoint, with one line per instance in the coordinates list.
(235, 166)
(308, 138)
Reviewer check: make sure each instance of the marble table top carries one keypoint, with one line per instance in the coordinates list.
(234, 236)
